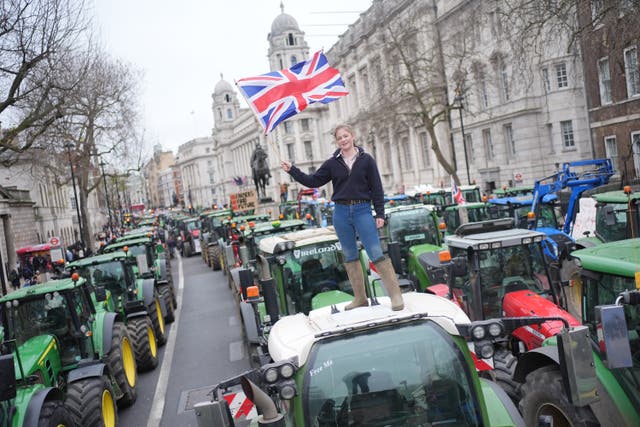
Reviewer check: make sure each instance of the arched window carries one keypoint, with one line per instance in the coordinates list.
(229, 113)
(290, 40)
(280, 61)
(220, 114)
(294, 60)
(227, 98)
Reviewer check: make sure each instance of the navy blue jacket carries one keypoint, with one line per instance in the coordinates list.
(362, 182)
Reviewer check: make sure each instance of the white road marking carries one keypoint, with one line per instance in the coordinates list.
(155, 415)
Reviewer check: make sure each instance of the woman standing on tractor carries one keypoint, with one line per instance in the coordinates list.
(356, 185)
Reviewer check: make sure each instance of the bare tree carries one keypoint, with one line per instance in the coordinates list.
(412, 88)
(98, 124)
(37, 37)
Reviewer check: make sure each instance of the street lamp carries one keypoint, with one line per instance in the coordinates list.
(75, 194)
(459, 100)
(106, 193)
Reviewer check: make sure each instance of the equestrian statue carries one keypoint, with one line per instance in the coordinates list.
(260, 169)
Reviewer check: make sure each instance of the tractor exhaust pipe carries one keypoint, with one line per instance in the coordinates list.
(270, 415)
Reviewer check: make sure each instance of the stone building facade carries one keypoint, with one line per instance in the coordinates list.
(195, 161)
(161, 160)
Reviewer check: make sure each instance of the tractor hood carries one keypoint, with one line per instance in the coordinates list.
(34, 353)
(325, 299)
(417, 250)
(527, 303)
(293, 336)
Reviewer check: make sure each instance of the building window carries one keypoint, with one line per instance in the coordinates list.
(567, 133)
(211, 179)
(279, 58)
(596, 11)
(364, 78)
(229, 114)
(611, 150)
(407, 153)
(288, 128)
(561, 75)
(294, 60)
(424, 143)
(635, 146)
(308, 150)
(488, 144)
(504, 82)
(304, 124)
(227, 98)
(631, 71)
(545, 80)
(290, 40)
(291, 152)
(468, 144)
(509, 140)
(483, 96)
(605, 81)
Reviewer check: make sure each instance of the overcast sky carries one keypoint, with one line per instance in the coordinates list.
(182, 47)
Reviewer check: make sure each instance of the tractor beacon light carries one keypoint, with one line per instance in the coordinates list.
(252, 224)
(253, 292)
(308, 216)
(242, 228)
(442, 226)
(444, 256)
(75, 277)
(125, 249)
(281, 216)
(627, 189)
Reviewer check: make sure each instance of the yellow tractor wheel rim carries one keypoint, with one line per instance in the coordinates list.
(108, 409)
(128, 362)
(160, 318)
(152, 341)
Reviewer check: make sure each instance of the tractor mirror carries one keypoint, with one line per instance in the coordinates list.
(101, 293)
(609, 215)
(577, 366)
(7, 378)
(459, 267)
(612, 336)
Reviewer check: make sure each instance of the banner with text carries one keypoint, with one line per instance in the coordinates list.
(244, 201)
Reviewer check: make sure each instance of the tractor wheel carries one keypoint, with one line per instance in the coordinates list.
(155, 314)
(144, 342)
(187, 249)
(122, 363)
(504, 363)
(54, 414)
(543, 394)
(214, 256)
(92, 403)
(166, 295)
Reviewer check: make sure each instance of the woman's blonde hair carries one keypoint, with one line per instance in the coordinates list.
(344, 126)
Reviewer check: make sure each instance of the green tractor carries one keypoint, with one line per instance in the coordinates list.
(371, 366)
(412, 234)
(135, 299)
(28, 403)
(595, 380)
(212, 231)
(295, 272)
(63, 348)
(151, 265)
(616, 218)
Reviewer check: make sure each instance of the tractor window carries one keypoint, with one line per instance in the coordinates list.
(315, 269)
(412, 375)
(547, 217)
(412, 227)
(603, 291)
(611, 222)
(109, 274)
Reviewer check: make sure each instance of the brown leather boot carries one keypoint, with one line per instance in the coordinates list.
(356, 277)
(390, 281)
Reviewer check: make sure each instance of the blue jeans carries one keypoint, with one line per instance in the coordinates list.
(349, 220)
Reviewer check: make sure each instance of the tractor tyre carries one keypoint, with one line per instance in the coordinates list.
(187, 249)
(157, 321)
(214, 256)
(92, 403)
(54, 414)
(166, 295)
(504, 363)
(543, 394)
(122, 363)
(144, 342)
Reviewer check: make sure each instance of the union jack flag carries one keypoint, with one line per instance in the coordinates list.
(456, 194)
(278, 95)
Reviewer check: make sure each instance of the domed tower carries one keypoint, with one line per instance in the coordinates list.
(225, 104)
(287, 45)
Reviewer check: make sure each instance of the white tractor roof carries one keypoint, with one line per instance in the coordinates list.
(294, 335)
(299, 238)
(512, 237)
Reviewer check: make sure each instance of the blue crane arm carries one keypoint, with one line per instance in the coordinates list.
(567, 178)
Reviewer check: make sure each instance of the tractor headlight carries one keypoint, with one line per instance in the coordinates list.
(271, 375)
(288, 391)
(478, 332)
(287, 370)
(486, 350)
(495, 329)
